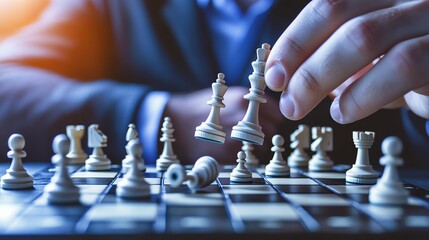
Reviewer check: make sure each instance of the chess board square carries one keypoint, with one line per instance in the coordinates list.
(151, 181)
(8, 213)
(228, 174)
(119, 227)
(303, 189)
(326, 175)
(19, 197)
(196, 199)
(274, 226)
(248, 189)
(292, 181)
(167, 182)
(123, 212)
(61, 225)
(351, 189)
(91, 189)
(94, 175)
(328, 211)
(185, 189)
(91, 181)
(314, 199)
(331, 182)
(55, 210)
(255, 181)
(417, 221)
(272, 211)
(262, 198)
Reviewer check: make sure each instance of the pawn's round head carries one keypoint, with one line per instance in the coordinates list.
(135, 148)
(61, 144)
(391, 146)
(241, 155)
(16, 142)
(278, 140)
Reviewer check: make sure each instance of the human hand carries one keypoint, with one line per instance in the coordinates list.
(330, 47)
(187, 111)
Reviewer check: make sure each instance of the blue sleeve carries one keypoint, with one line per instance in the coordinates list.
(149, 120)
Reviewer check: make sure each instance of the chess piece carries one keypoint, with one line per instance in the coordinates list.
(277, 166)
(133, 184)
(251, 160)
(16, 176)
(389, 190)
(240, 173)
(323, 142)
(75, 134)
(211, 130)
(362, 171)
(167, 156)
(300, 140)
(127, 162)
(61, 189)
(204, 172)
(97, 140)
(248, 129)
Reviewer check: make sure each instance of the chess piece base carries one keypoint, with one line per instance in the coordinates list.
(295, 160)
(127, 163)
(210, 132)
(277, 170)
(245, 131)
(97, 163)
(240, 176)
(133, 189)
(318, 164)
(361, 174)
(388, 195)
(16, 180)
(163, 163)
(56, 195)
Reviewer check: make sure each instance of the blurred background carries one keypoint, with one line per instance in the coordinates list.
(15, 14)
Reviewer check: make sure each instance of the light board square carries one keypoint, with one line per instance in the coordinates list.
(197, 199)
(248, 189)
(94, 175)
(123, 212)
(228, 174)
(327, 175)
(291, 181)
(350, 189)
(267, 211)
(314, 199)
(151, 181)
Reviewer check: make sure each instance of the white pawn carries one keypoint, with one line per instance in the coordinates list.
(16, 176)
(248, 129)
(127, 162)
(300, 140)
(251, 160)
(389, 190)
(133, 184)
(97, 140)
(362, 171)
(167, 156)
(204, 172)
(240, 173)
(211, 130)
(323, 142)
(76, 153)
(277, 166)
(61, 189)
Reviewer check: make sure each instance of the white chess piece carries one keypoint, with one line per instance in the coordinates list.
(389, 190)
(240, 173)
(76, 153)
(204, 172)
(16, 176)
(133, 184)
(251, 160)
(248, 129)
(300, 140)
(61, 189)
(127, 162)
(97, 140)
(211, 130)
(323, 142)
(277, 166)
(167, 156)
(362, 171)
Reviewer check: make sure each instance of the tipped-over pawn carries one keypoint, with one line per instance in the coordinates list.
(133, 184)
(16, 176)
(240, 173)
(204, 172)
(389, 190)
(277, 166)
(61, 189)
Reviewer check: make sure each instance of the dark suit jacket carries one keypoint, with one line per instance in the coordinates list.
(94, 61)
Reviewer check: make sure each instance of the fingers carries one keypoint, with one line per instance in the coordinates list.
(318, 20)
(403, 69)
(356, 44)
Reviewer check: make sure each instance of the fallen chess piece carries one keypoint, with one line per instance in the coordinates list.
(204, 172)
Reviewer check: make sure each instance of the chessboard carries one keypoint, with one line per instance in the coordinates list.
(307, 204)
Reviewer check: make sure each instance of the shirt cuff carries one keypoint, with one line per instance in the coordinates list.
(427, 128)
(148, 120)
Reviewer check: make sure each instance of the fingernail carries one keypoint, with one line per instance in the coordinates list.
(335, 111)
(275, 78)
(287, 106)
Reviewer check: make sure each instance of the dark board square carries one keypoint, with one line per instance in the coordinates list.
(261, 198)
(272, 226)
(333, 181)
(120, 227)
(255, 181)
(303, 189)
(92, 181)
